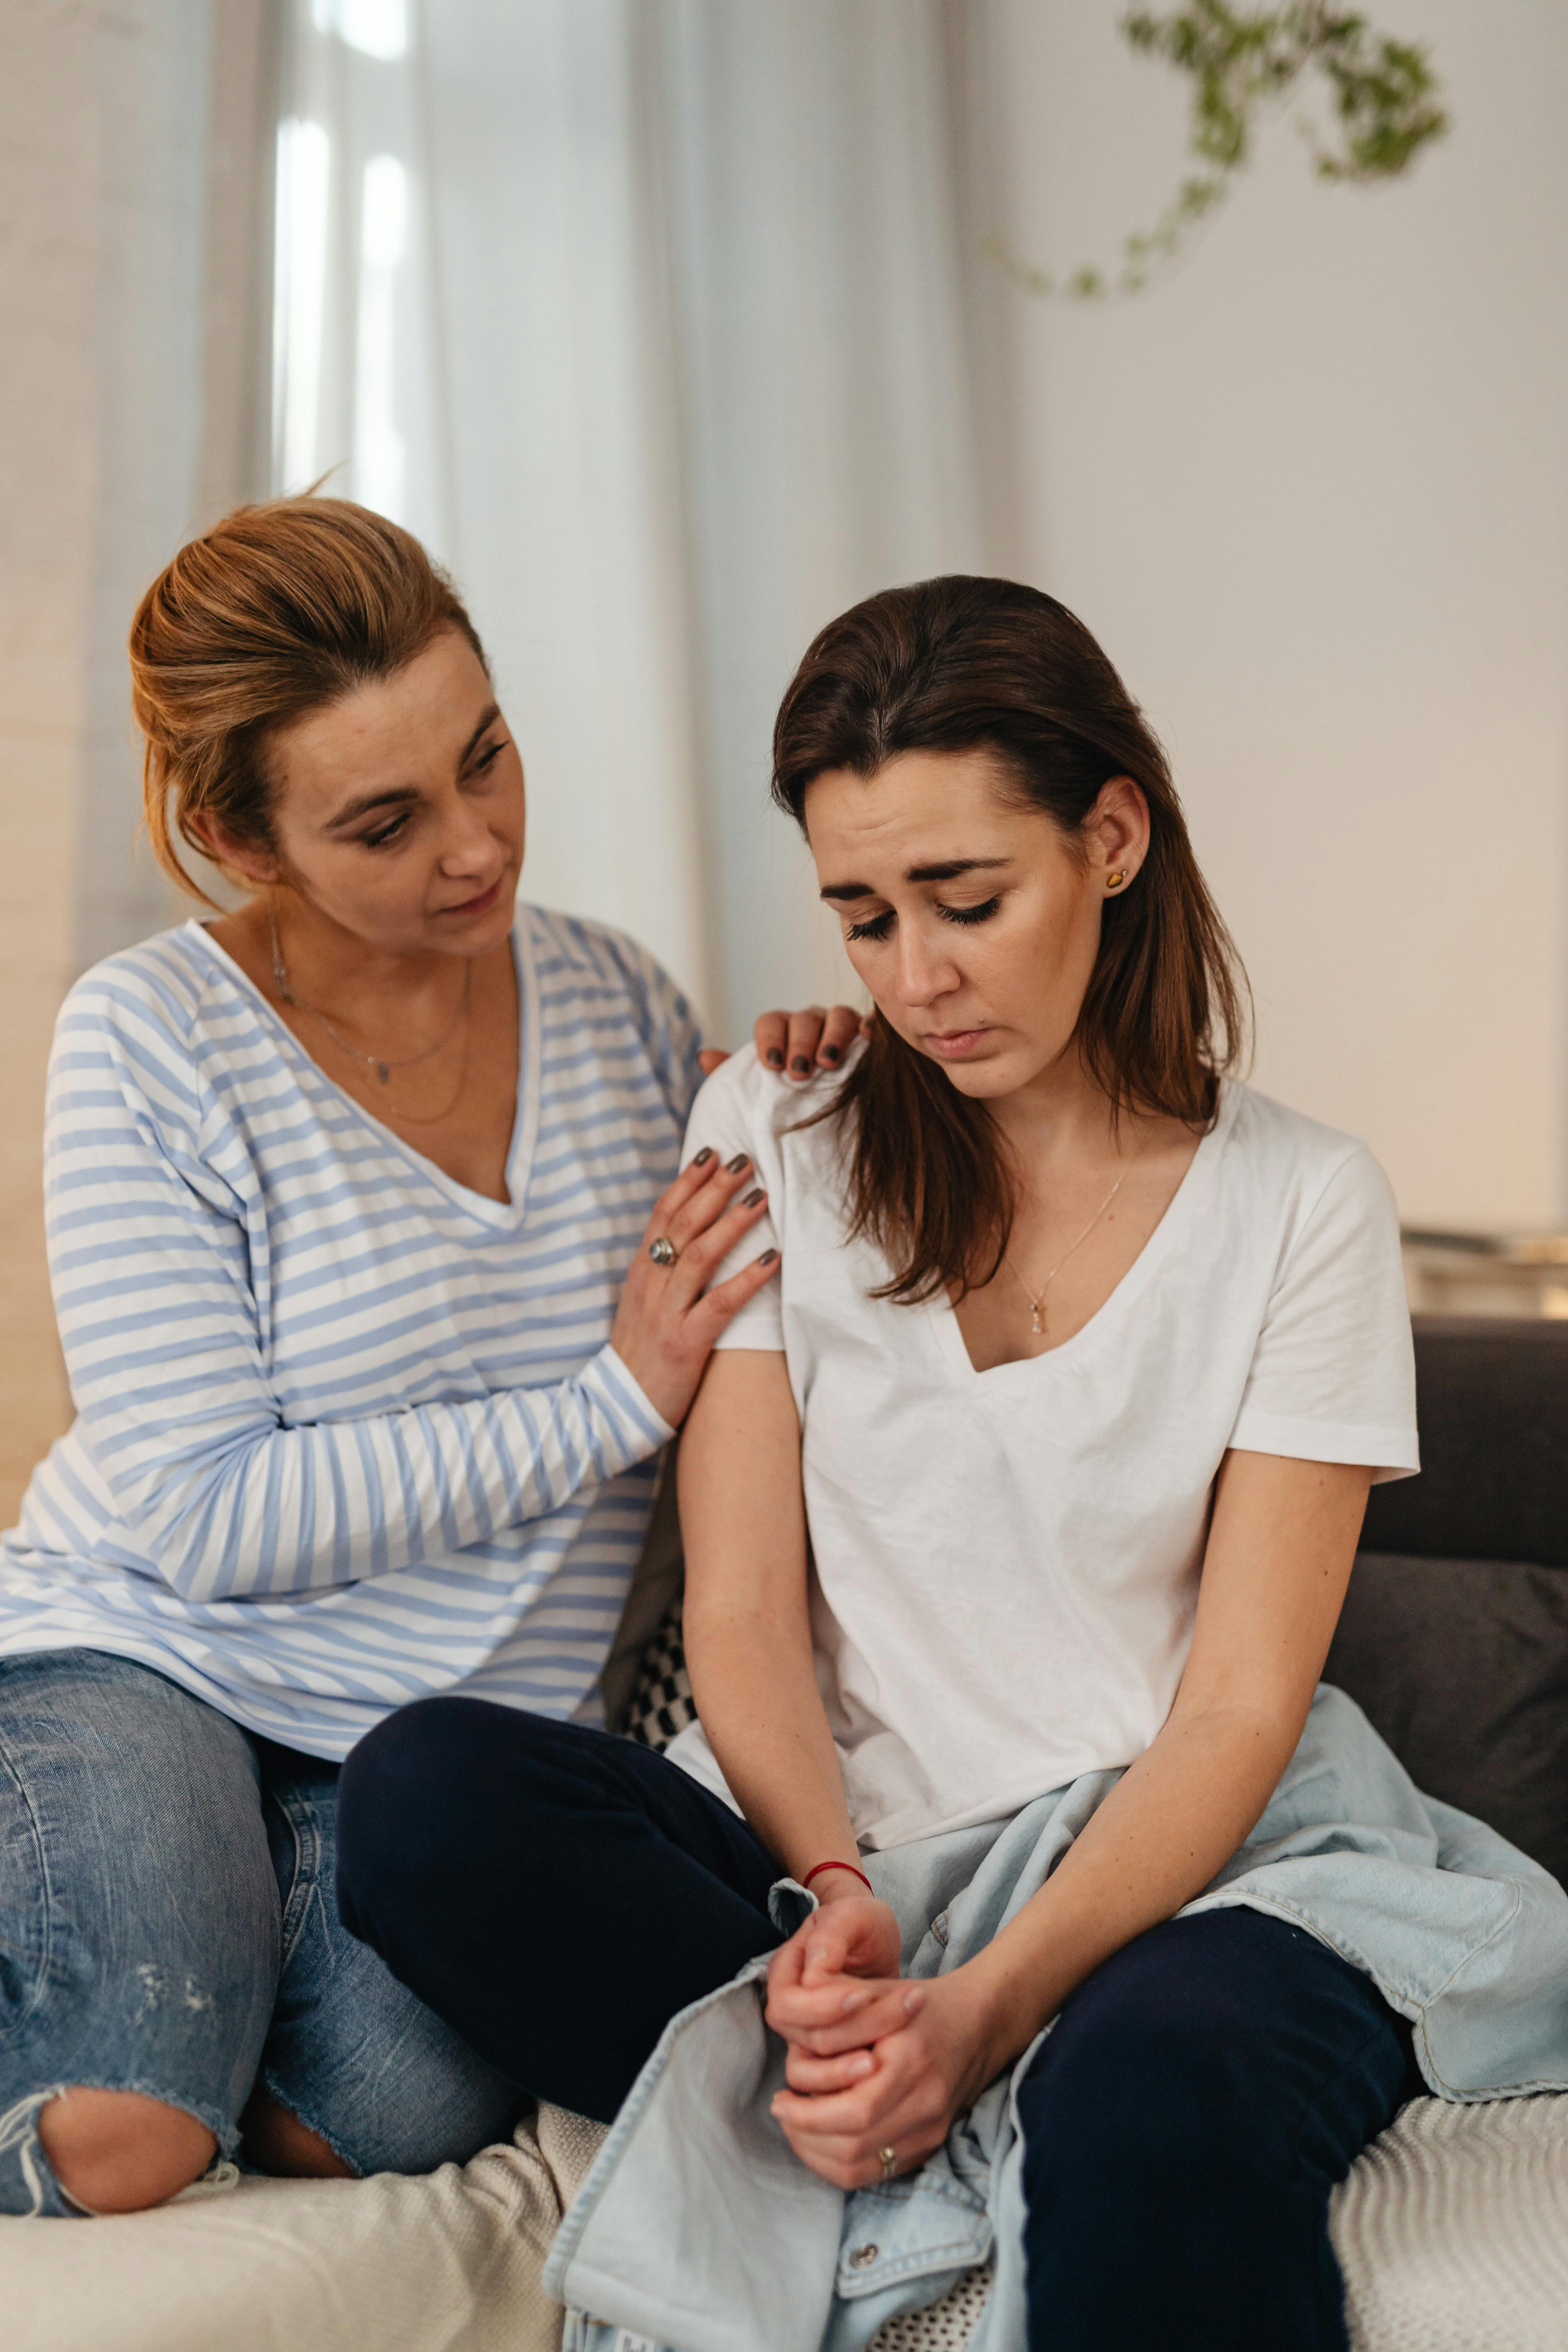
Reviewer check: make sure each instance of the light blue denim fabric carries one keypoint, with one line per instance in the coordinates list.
(698, 2229)
(168, 1924)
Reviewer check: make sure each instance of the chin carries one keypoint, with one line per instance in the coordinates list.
(983, 1081)
(988, 1075)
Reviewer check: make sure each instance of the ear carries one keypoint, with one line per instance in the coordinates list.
(238, 856)
(1116, 831)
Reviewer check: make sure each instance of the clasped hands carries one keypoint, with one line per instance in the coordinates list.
(875, 2061)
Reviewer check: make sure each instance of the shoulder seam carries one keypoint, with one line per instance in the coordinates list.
(1355, 1149)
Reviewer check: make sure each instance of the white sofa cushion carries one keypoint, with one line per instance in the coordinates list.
(1452, 2231)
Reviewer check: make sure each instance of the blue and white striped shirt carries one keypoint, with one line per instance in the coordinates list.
(347, 1431)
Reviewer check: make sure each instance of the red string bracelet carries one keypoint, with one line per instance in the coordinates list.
(817, 1868)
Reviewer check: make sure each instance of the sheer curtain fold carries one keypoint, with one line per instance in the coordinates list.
(828, 420)
(646, 314)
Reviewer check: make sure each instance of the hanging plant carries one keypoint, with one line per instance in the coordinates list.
(1383, 107)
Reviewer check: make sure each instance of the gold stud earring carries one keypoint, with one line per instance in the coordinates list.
(1114, 881)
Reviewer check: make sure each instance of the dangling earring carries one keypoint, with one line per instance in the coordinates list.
(1114, 881)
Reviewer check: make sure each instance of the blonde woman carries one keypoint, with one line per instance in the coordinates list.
(348, 1193)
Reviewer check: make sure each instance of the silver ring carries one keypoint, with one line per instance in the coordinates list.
(887, 2157)
(663, 1251)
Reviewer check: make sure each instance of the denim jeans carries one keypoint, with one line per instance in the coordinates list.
(168, 1925)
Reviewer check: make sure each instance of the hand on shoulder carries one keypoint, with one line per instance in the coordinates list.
(798, 1045)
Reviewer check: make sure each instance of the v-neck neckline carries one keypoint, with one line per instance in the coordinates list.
(1182, 1206)
(504, 1216)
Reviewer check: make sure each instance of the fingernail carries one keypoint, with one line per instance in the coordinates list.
(861, 2066)
(801, 1064)
(767, 1257)
(737, 1166)
(830, 1053)
(753, 1197)
(773, 1058)
(704, 1156)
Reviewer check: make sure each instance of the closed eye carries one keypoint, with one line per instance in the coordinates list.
(387, 834)
(876, 927)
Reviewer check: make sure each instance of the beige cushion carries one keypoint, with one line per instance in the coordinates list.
(1452, 2231)
(448, 2263)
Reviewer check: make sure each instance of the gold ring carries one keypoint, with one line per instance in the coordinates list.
(887, 2157)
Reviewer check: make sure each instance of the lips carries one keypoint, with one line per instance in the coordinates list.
(480, 906)
(953, 1044)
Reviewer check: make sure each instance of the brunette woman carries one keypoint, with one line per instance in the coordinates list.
(1017, 1515)
(342, 1193)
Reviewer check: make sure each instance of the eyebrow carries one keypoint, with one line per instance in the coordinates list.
(946, 870)
(399, 795)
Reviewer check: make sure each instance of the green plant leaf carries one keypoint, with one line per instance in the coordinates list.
(1383, 96)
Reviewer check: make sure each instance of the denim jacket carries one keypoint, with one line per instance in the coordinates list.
(698, 2229)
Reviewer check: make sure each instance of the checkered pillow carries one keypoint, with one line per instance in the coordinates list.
(661, 1697)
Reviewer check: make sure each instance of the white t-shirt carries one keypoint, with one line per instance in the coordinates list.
(1007, 1563)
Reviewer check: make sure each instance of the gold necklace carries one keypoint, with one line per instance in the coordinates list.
(434, 1118)
(1038, 1301)
(380, 1063)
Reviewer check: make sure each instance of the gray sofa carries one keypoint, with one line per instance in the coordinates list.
(1455, 1634)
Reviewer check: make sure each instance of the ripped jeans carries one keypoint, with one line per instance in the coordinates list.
(169, 1925)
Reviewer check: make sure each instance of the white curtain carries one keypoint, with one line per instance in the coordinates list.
(647, 316)
(132, 314)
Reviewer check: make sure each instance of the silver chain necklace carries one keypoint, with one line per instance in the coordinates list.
(379, 1062)
(1038, 1300)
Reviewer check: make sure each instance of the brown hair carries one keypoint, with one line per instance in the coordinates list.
(279, 609)
(960, 665)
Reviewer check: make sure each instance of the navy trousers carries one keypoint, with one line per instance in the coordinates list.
(557, 1894)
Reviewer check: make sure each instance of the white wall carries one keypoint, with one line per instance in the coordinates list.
(1309, 492)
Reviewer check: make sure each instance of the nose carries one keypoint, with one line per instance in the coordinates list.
(468, 845)
(926, 969)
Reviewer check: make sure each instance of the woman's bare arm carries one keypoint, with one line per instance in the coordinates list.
(748, 1645)
(1281, 1548)
(747, 1631)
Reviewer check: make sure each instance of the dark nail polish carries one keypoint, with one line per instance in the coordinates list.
(830, 1054)
(704, 1156)
(800, 1064)
(767, 1257)
(773, 1058)
(738, 1166)
(752, 1198)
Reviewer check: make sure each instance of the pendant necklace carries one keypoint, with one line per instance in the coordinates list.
(382, 1065)
(1038, 1300)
